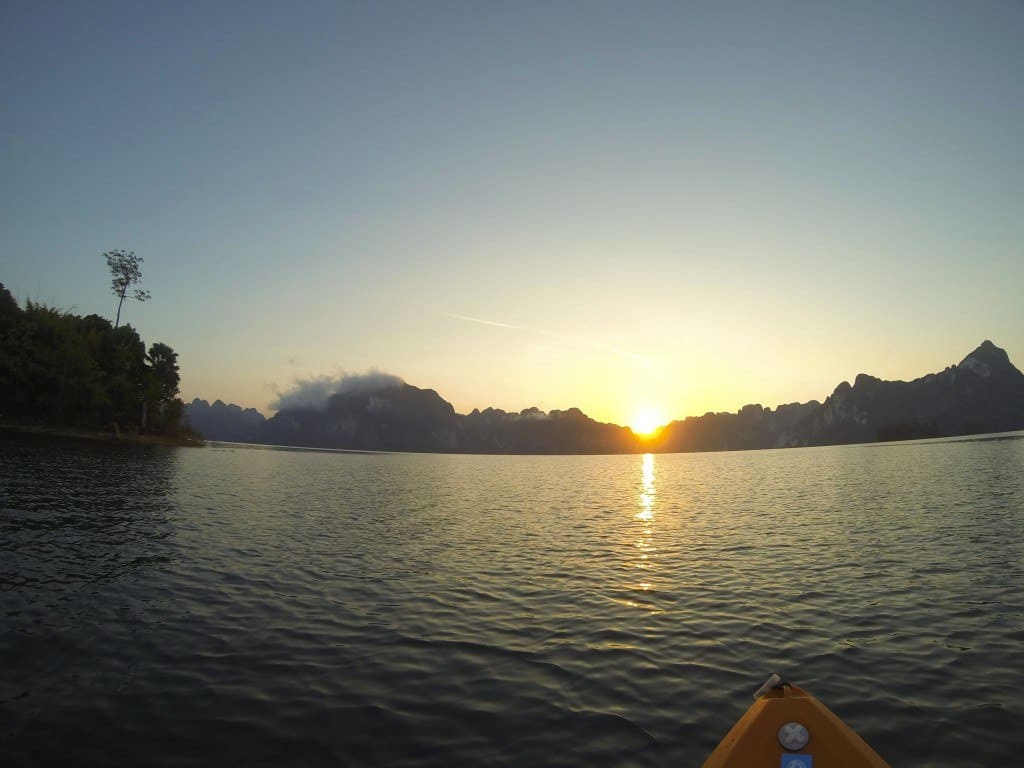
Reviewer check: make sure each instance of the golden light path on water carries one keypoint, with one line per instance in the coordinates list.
(645, 517)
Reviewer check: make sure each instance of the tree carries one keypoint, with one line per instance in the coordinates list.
(126, 270)
(163, 367)
(162, 388)
(9, 309)
(60, 369)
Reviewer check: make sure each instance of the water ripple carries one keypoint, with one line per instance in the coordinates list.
(181, 607)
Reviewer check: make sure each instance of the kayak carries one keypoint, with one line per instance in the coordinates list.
(789, 728)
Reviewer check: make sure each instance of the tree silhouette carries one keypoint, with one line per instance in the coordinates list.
(163, 366)
(59, 369)
(126, 270)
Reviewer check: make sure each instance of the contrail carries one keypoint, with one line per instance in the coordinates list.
(578, 341)
(480, 320)
(560, 336)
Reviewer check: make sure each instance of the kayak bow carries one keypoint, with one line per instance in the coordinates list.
(789, 728)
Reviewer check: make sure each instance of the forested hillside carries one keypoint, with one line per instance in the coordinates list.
(59, 369)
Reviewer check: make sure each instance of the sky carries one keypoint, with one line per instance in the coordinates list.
(673, 207)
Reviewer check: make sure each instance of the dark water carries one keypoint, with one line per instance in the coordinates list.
(255, 607)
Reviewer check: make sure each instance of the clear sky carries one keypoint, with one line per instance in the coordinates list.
(677, 206)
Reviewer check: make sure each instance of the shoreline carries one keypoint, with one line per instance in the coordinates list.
(101, 437)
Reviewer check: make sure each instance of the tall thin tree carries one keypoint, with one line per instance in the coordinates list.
(126, 271)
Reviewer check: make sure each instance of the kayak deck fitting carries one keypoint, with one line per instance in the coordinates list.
(789, 728)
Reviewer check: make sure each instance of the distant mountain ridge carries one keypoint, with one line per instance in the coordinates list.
(221, 421)
(983, 393)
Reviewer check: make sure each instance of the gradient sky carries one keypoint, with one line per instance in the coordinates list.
(684, 206)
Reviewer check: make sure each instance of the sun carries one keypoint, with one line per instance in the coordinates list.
(646, 422)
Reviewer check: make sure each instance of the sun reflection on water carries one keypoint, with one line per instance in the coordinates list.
(646, 512)
(645, 517)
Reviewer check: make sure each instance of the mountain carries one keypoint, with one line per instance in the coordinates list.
(402, 418)
(407, 418)
(533, 431)
(224, 422)
(752, 427)
(983, 393)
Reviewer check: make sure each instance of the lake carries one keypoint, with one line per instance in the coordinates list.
(254, 606)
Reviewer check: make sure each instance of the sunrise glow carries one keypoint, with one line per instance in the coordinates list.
(646, 422)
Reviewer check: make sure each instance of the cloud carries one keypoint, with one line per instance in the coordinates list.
(574, 340)
(577, 341)
(312, 394)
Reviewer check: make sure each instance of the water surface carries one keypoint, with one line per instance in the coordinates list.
(174, 607)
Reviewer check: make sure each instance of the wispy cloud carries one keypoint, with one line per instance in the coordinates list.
(566, 338)
(577, 341)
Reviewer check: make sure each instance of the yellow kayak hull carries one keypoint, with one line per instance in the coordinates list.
(757, 738)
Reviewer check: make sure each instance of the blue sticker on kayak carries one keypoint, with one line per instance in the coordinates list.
(797, 761)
